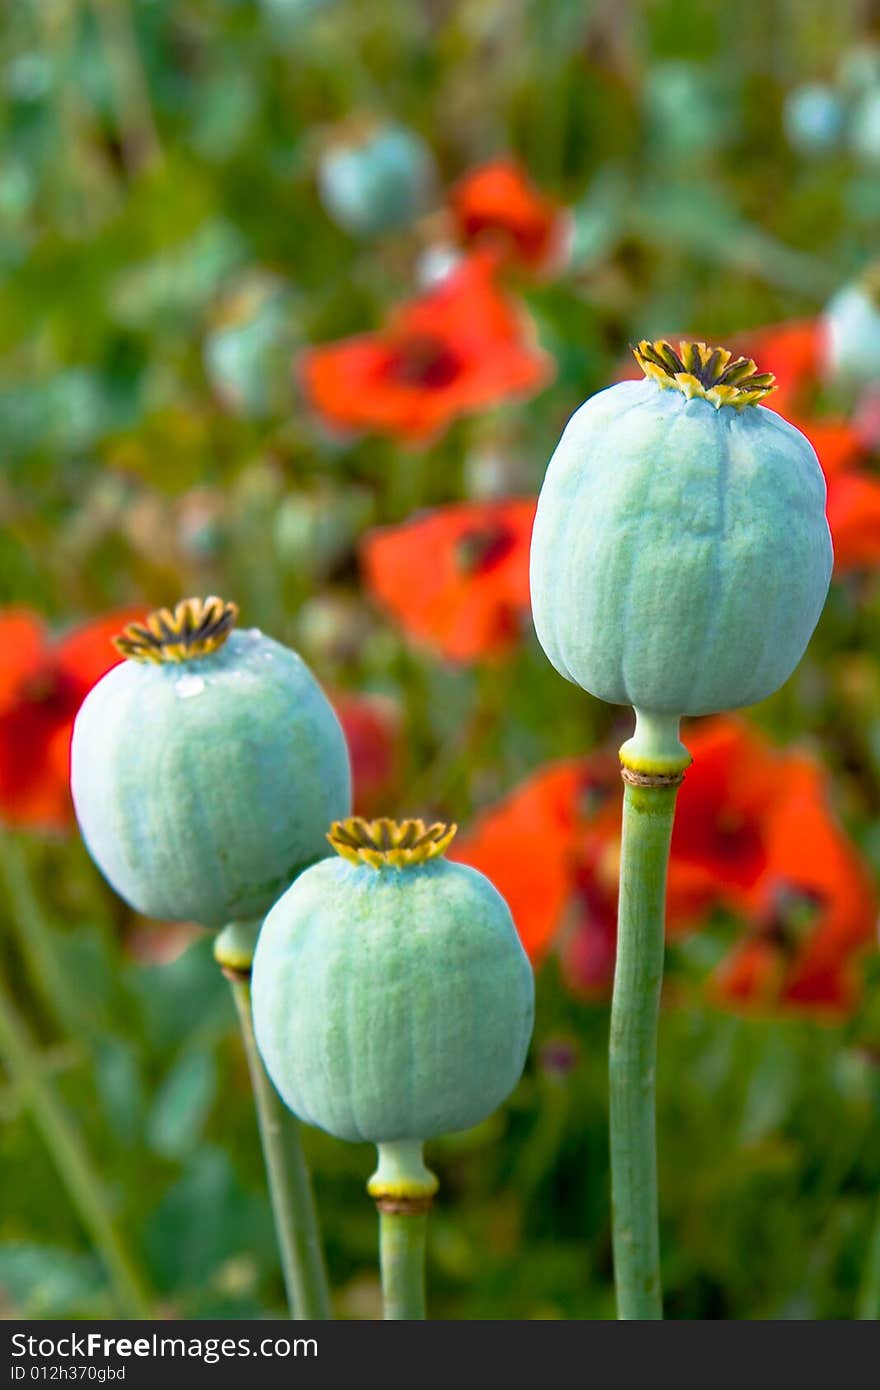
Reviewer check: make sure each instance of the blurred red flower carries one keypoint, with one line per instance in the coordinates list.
(526, 845)
(460, 347)
(793, 351)
(372, 727)
(498, 206)
(853, 510)
(42, 685)
(719, 851)
(455, 579)
(754, 834)
(813, 910)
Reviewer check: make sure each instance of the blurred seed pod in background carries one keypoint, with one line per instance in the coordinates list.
(852, 330)
(252, 335)
(813, 117)
(375, 178)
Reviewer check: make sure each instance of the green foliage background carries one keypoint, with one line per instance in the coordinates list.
(159, 158)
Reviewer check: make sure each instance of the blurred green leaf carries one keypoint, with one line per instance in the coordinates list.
(47, 1282)
(182, 1103)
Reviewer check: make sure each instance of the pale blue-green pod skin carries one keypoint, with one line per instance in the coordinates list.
(203, 788)
(813, 117)
(393, 1003)
(680, 554)
(379, 184)
(852, 327)
(864, 133)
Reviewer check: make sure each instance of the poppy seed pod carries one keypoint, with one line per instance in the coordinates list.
(392, 998)
(680, 555)
(204, 767)
(377, 181)
(864, 128)
(814, 117)
(852, 328)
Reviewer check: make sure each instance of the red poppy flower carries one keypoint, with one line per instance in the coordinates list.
(753, 834)
(853, 510)
(372, 728)
(526, 846)
(719, 850)
(814, 908)
(458, 348)
(42, 685)
(456, 579)
(498, 206)
(794, 352)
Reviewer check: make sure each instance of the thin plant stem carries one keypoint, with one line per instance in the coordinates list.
(648, 808)
(82, 175)
(35, 938)
(868, 1307)
(402, 1242)
(134, 113)
(70, 1156)
(290, 1187)
(403, 1189)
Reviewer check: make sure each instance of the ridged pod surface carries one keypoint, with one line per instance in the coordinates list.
(203, 787)
(392, 1003)
(680, 554)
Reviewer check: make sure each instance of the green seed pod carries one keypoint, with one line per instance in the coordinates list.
(377, 179)
(252, 336)
(852, 329)
(204, 768)
(392, 998)
(814, 117)
(680, 555)
(864, 128)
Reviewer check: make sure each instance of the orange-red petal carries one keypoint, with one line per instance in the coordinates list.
(525, 845)
(481, 341)
(429, 575)
(854, 517)
(499, 206)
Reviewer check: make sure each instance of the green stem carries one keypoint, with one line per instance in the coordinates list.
(290, 1188)
(402, 1242)
(62, 1139)
(36, 939)
(868, 1308)
(403, 1189)
(652, 779)
(82, 175)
